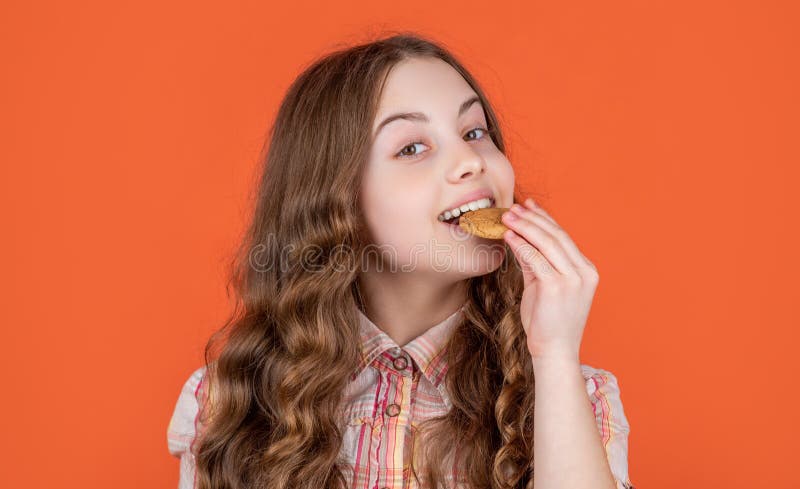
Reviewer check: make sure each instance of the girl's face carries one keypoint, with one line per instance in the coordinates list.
(426, 162)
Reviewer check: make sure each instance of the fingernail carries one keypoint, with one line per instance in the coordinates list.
(510, 216)
(531, 202)
(517, 208)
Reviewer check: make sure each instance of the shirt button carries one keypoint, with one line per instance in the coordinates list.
(393, 409)
(400, 363)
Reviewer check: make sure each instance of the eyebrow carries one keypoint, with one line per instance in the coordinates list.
(420, 117)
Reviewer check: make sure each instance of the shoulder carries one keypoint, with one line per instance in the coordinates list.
(604, 393)
(181, 429)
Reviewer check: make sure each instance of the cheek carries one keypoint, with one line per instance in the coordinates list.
(394, 215)
(400, 225)
(507, 179)
(504, 178)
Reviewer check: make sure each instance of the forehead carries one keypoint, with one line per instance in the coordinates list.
(422, 84)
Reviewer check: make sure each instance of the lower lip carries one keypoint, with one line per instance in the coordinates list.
(457, 230)
(453, 224)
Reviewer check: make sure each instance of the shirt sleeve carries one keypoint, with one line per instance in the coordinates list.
(604, 394)
(182, 425)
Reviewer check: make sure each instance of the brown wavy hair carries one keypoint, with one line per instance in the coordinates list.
(277, 369)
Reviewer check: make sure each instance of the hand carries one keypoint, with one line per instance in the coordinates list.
(559, 282)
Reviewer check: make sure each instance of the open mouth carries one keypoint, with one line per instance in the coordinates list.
(454, 220)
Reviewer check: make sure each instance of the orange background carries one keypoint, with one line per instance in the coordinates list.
(662, 135)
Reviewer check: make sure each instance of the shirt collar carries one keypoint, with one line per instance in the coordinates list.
(427, 349)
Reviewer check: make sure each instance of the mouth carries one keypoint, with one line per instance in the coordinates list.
(448, 218)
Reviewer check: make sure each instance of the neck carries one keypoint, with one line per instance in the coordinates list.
(405, 305)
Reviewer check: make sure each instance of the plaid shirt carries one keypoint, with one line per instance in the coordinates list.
(390, 393)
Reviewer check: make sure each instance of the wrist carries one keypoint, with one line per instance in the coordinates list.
(560, 358)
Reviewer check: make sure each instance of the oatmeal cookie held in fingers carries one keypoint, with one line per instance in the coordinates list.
(485, 223)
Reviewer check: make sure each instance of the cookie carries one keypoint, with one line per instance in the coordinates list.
(485, 223)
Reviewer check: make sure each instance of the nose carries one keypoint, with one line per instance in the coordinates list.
(467, 163)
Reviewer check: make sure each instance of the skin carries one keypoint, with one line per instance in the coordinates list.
(560, 283)
(415, 171)
(401, 201)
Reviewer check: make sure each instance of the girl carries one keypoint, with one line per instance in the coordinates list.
(374, 345)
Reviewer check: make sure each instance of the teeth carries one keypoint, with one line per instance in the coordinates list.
(469, 206)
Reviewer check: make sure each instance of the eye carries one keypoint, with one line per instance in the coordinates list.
(486, 131)
(403, 154)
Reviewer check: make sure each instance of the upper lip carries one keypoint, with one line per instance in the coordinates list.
(469, 197)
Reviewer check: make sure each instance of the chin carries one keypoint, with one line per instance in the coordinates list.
(480, 262)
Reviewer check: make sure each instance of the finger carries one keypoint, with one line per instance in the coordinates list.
(553, 231)
(530, 204)
(533, 263)
(545, 242)
(578, 259)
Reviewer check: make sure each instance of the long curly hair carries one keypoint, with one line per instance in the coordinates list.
(277, 369)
